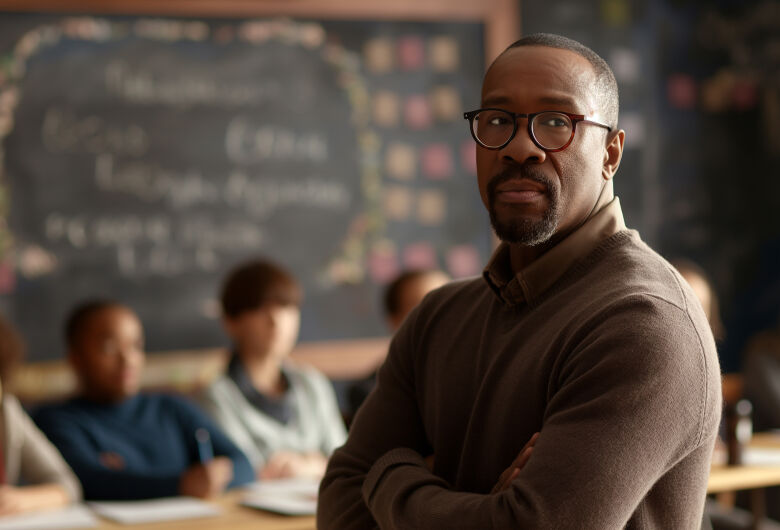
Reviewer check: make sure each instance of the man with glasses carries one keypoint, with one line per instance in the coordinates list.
(577, 331)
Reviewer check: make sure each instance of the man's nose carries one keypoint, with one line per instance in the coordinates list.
(521, 148)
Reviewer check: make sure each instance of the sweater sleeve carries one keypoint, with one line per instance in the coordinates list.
(227, 413)
(388, 419)
(193, 418)
(331, 425)
(634, 396)
(41, 463)
(98, 481)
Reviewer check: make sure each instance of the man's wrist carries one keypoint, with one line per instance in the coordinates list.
(400, 456)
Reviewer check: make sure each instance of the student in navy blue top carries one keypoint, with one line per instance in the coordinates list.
(123, 444)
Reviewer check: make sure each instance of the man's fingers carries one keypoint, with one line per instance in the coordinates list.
(522, 456)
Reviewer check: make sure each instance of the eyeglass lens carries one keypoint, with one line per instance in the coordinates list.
(494, 128)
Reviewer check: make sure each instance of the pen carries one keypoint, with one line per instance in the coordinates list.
(205, 450)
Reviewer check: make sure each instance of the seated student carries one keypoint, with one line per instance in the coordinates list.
(285, 418)
(26, 456)
(123, 444)
(401, 295)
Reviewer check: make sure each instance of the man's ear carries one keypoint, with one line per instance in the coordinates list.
(613, 153)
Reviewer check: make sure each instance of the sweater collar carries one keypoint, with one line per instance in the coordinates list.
(528, 284)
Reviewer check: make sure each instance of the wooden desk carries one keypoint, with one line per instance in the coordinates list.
(726, 480)
(234, 517)
(733, 478)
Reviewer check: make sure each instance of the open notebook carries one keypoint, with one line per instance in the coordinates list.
(285, 496)
(76, 516)
(154, 510)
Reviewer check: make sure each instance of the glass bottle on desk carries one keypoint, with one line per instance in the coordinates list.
(739, 430)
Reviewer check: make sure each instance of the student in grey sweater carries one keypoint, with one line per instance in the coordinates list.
(285, 418)
(577, 331)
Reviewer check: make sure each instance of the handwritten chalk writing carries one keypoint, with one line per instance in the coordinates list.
(106, 231)
(123, 231)
(151, 183)
(258, 195)
(64, 132)
(184, 90)
(261, 196)
(247, 142)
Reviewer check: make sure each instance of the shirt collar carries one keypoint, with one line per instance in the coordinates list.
(528, 284)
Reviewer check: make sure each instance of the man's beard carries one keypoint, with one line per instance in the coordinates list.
(516, 229)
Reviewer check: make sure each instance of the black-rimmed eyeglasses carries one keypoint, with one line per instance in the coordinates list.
(550, 130)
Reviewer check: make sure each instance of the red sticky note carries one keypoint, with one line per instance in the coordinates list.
(463, 261)
(468, 156)
(420, 255)
(417, 112)
(437, 161)
(411, 53)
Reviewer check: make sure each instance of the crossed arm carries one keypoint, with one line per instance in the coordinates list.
(610, 391)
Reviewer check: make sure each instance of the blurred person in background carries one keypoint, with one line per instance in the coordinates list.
(284, 417)
(124, 444)
(26, 455)
(401, 295)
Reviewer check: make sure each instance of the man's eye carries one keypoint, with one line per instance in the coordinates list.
(498, 120)
(555, 122)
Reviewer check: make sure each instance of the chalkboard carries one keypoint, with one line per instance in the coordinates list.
(142, 157)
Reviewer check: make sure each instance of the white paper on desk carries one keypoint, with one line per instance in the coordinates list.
(761, 456)
(76, 516)
(297, 496)
(154, 510)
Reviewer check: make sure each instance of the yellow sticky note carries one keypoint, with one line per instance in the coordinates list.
(397, 203)
(401, 161)
(379, 55)
(386, 108)
(444, 56)
(431, 207)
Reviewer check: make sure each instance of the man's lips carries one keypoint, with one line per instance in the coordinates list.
(520, 190)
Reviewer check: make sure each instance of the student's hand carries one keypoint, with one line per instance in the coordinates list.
(284, 464)
(510, 473)
(207, 480)
(11, 500)
(27, 498)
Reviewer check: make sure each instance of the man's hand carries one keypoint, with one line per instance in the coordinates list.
(207, 480)
(510, 473)
(284, 464)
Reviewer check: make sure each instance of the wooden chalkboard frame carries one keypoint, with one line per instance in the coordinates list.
(501, 18)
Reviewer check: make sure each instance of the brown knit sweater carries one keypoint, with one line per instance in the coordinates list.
(608, 356)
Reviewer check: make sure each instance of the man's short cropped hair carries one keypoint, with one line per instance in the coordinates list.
(78, 318)
(606, 85)
(256, 283)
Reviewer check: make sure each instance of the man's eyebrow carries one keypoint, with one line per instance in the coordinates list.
(556, 101)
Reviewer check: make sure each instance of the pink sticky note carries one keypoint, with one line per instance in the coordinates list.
(417, 112)
(411, 53)
(468, 156)
(420, 255)
(745, 94)
(7, 278)
(681, 91)
(463, 260)
(437, 161)
(383, 264)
